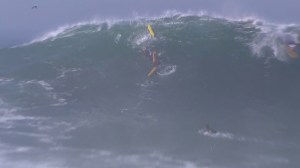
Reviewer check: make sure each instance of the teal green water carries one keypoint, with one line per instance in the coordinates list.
(81, 95)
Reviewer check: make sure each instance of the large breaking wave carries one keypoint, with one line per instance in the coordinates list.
(101, 59)
(94, 75)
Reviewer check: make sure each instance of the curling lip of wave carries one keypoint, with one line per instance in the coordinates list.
(65, 30)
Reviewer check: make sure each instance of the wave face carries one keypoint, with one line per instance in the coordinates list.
(84, 88)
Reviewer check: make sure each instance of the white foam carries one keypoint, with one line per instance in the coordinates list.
(41, 83)
(210, 15)
(142, 38)
(9, 116)
(117, 38)
(274, 37)
(149, 160)
(64, 30)
(269, 31)
(5, 80)
(18, 163)
(222, 135)
(49, 35)
(166, 70)
(147, 83)
(45, 85)
(66, 71)
(48, 89)
(233, 137)
(67, 30)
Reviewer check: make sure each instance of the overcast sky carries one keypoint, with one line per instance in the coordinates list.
(18, 22)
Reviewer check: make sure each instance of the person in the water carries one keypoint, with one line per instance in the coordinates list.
(154, 59)
(152, 55)
(293, 49)
(293, 45)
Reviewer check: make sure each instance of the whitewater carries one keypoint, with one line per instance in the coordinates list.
(79, 96)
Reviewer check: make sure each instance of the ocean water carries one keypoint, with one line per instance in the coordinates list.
(79, 96)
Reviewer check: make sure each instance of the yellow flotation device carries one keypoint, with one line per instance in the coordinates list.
(151, 30)
(152, 71)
